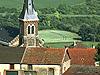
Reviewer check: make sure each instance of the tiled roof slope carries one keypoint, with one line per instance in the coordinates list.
(11, 55)
(44, 56)
(82, 70)
(82, 56)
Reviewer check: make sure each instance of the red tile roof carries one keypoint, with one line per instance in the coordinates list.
(83, 70)
(82, 56)
(44, 55)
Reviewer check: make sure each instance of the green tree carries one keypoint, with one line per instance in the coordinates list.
(84, 32)
(98, 52)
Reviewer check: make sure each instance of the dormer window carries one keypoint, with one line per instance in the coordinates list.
(31, 29)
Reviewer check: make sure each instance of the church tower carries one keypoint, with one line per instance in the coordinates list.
(28, 25)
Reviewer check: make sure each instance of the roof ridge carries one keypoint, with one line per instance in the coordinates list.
(64, 54)
(23, 55)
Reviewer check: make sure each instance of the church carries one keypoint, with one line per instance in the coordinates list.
(26, 54)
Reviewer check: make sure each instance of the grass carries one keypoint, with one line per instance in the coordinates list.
(39, 3)
(56, 36)
(62, 44)
(58, 45)
(90, 44)
(59, 39)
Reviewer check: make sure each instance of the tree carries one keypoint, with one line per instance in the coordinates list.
(98, 48)
(98, 52)
(84, 32)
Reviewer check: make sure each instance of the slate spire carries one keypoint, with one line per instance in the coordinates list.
(28, 12)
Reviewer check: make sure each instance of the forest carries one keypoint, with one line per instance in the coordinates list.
(83, 19)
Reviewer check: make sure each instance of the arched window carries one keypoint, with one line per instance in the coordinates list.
(31, 29)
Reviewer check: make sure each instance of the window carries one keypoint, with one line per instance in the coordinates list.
(11, 66)
(29, 67)
(31, 29)
(51, 71)
(28, 29)
(11, 72)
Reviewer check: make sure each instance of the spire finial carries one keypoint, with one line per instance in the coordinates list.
(28, 12)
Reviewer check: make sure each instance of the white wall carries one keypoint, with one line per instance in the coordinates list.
(56, 68)
(7, 67)
(4, 67)
(65, 66)
(24, 66)
(17, 66)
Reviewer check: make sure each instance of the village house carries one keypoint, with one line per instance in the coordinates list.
(26, 54)
(82, 60)
(33, 61)
(81, 55)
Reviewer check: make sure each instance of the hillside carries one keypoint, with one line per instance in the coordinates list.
(39, 3)
(59, 39)
(51, 36)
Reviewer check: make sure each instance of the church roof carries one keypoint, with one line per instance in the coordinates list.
(78, 56)
(44, 56)
(11, 55)
(32, 55)
(7, 34)
(28, 12)
(82, 56)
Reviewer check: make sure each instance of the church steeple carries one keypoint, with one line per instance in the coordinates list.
(28, 12)
(28, 25)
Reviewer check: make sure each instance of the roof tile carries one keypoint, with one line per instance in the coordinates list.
(82, 56)
(44, 55)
